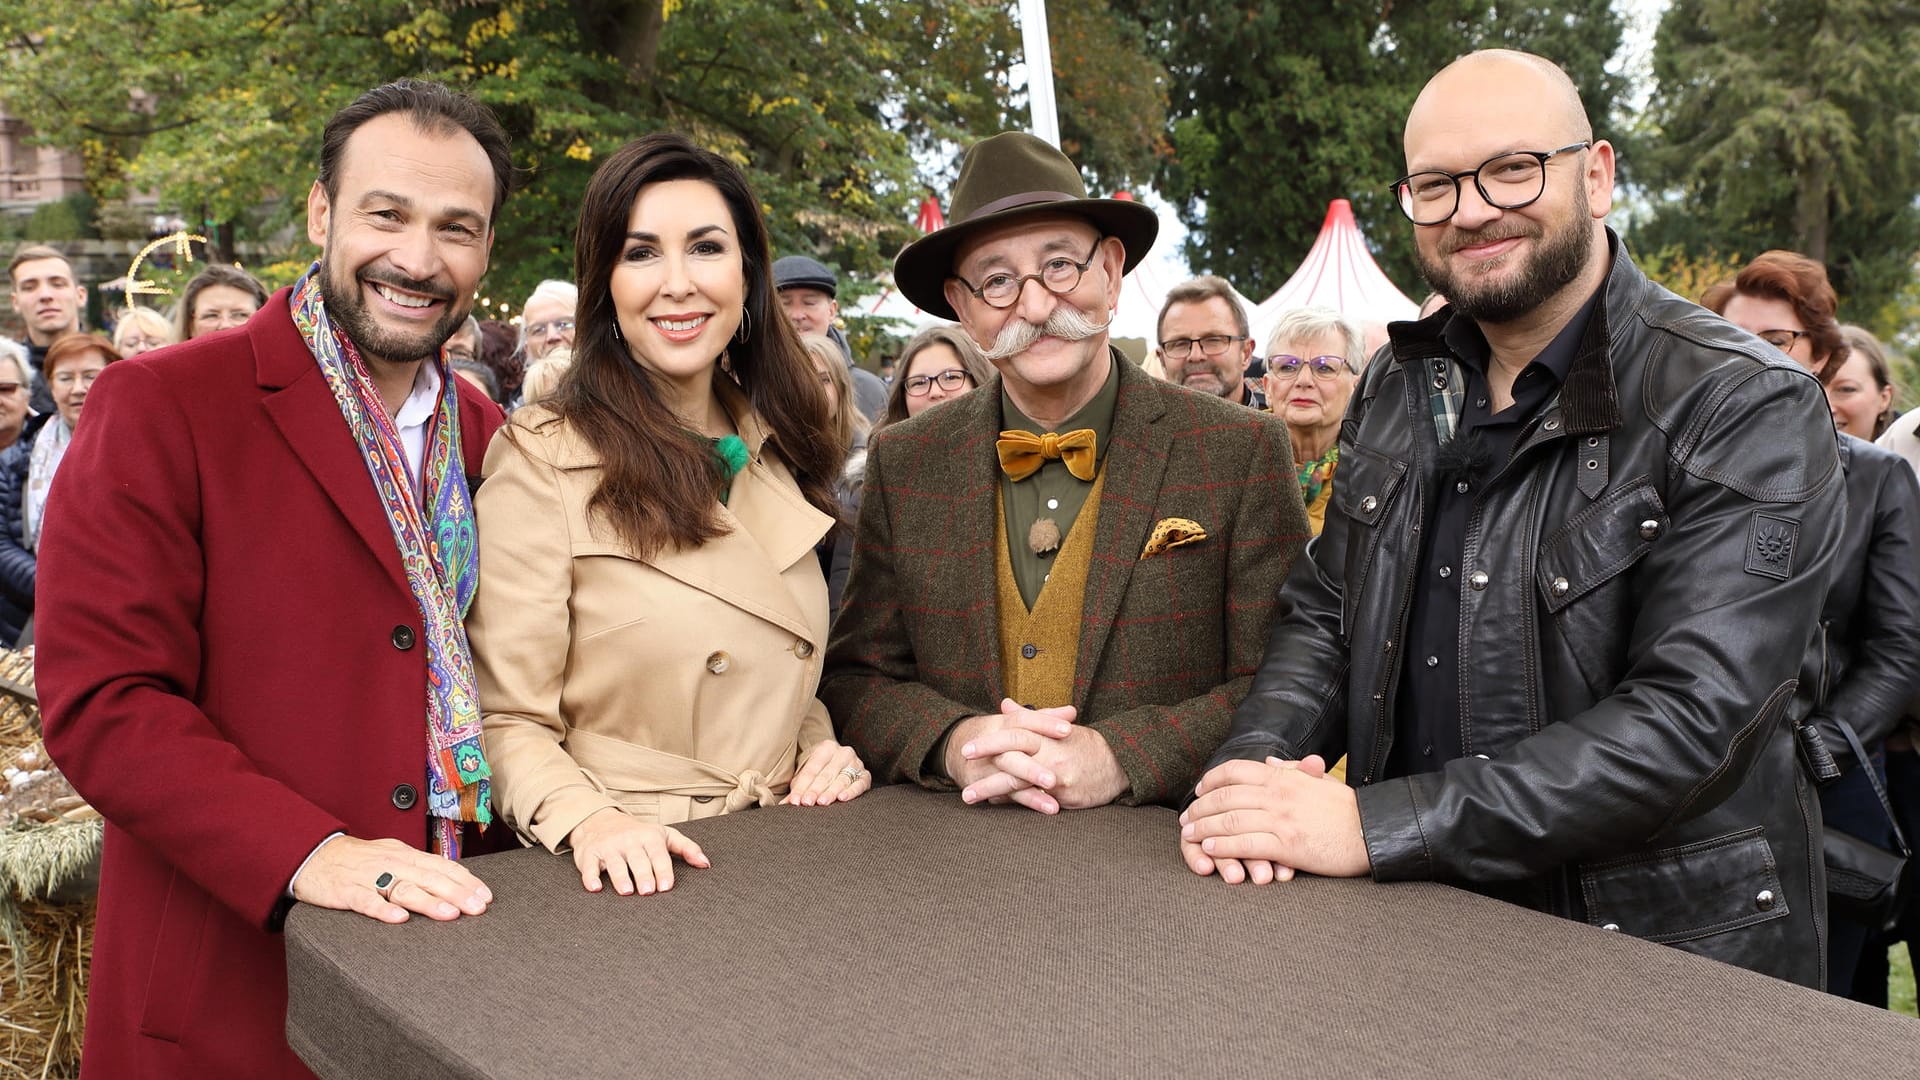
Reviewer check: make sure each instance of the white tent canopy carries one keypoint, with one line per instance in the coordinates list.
(1338, 273)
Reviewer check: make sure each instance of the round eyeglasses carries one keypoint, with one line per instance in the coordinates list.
(1506, 181)
(1285, 366)
(950, 380)
(1058, 275)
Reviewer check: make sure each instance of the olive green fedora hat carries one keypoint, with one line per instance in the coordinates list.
(1003, 178)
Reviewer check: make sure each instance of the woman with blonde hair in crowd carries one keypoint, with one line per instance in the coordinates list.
(850, 429)
(1860, 391)
(1314, 359)
(937, 364)
(651, 620)
(1864, 659)
(142, 329)
(543, 375)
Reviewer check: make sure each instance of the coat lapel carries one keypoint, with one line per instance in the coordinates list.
(1136, 463)
(302, 406)
(957, 469)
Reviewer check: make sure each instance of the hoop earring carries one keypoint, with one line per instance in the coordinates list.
(746, 326)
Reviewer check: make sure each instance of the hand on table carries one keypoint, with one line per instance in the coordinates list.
(1260, 822)
(831, 773)
(1038, 758)
(345, 874)
(635, 855)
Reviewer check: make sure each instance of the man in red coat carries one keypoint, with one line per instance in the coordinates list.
(252, 580)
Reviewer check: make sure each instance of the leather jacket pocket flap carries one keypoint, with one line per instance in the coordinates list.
(1600, 542)
(1681, 893)
(1365, 483)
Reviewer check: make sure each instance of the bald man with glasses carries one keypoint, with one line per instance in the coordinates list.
(1556, 616)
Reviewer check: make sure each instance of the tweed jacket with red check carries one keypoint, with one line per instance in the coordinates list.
(1168, 644)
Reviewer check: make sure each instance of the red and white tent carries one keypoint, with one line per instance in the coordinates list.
(1338, 273)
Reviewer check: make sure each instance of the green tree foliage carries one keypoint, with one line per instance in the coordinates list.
(1279, 108)
(1790, 124)
(843, 111)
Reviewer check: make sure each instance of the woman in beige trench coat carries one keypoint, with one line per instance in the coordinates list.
(651, 620)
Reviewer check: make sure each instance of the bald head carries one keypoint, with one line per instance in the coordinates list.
(1499, 91)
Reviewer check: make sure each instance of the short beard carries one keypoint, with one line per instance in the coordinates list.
(1066, 323)
(1555, 264)
(348, 313)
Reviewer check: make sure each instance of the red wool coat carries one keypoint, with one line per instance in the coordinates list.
(231, 668)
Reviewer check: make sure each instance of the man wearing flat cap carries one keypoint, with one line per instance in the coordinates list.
(808, 291)
(1061, 583)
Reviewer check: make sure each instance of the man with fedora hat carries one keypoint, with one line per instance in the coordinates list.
(1061, 584)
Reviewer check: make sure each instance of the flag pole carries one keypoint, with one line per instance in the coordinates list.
(1039, 56)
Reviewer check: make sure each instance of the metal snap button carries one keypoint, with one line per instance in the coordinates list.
(1650, 529)
(1433, 661)
(1369, 504)
(1764, 901)
(1612, 927)
(1560, 587)
(1478, 579)
(719, 662)
(1551, 425)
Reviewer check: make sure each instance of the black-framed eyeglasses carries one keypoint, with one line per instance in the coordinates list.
(1287, 366)
(950, 380)
(1215, 345)
(1058, 275)
(1782, 339)
(1506, 181)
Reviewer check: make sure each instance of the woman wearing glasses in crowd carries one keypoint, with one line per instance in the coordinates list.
(938, 364)
(1864, 661)
(651, 619)
(1313, 361)
(219, 298)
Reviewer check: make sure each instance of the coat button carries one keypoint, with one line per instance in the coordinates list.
(1369, 504)
(719, 662)
(402, 637)
(1552, 425)
(404, 796)
(1029, 651)
(1478, 579)
(1765, 900)
(803, 649)
(1560, 587)
(1612, 927)
(1650, 529)
(703, 799)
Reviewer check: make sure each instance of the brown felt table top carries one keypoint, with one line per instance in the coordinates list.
(908, 934)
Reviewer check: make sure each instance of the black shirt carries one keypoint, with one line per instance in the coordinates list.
(1427, 714)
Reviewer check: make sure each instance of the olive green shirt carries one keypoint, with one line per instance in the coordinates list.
(1052, 492)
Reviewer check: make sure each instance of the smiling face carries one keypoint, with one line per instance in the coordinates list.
(1220, 375)
(405, 236)
(1856, 398)
(71, 380)
(46, 295)
(1063, 334)
(1494, 265)
(679, 284)
(929, 363)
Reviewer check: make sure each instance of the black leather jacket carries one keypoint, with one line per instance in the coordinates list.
(1864, 664)
(1642, 582)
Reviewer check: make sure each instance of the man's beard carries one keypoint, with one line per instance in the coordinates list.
(1065, 322)
(350, 314)
(1559, 256)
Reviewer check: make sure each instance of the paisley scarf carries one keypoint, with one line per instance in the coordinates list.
(1316, 474)
(435, 537)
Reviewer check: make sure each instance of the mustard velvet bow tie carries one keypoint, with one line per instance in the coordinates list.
(1022, 452)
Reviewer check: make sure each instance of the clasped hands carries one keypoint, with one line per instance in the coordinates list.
(1038, 758)
(1262, 821)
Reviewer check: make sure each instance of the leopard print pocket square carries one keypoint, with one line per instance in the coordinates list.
(1171, 533)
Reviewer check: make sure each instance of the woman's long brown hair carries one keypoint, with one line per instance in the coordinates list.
(659, 481)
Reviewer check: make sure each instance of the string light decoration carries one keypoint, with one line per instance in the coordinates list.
(182, 249)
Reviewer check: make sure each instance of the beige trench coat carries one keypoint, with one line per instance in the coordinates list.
(675, 686)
